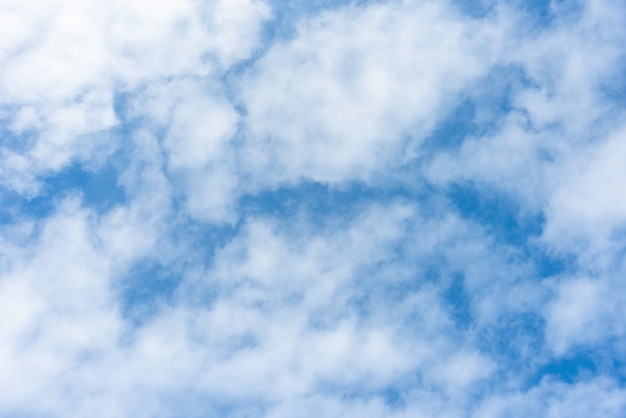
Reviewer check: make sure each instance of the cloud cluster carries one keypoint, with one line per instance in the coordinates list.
(372, 209)
(65, 63)
(359, 82)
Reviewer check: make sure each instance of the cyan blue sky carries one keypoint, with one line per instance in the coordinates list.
(247, 208)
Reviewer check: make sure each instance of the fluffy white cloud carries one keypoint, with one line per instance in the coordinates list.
(57, 292)
(341, 99)
(250, 327)
(64, 47)
(199, 127)
(584, 313)
(64, 62)
(586, 212)
(555, 115)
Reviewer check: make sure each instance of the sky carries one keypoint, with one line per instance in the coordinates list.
(329, 208)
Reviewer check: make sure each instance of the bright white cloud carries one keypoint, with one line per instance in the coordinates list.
(65, 61)
(340, 100)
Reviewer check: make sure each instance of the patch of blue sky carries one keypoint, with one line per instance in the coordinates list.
(204, 237)
(515, 343)
(97, 186)
(550, 12)
(319, 203)
(458, 302)
(393, 393)
(122, 106)
(480, 111)
(152, 283)
(476, 9)
(13, 207)
(514, 337)
(287, 14)
(539, 10)
(16, 140)
(498, 213)
(146, 288)
(454, 129)
(98, 189)
(393, 397)
(494, 94)
(578, 365)
(504, 219)
(542, 13)
(568, 369)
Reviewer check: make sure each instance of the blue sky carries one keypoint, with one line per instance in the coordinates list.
(258, 208)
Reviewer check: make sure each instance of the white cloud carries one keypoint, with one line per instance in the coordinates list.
(64, 61)
(199, 127)
(57, 293)
(340, 100)
(600, 398)
(586, 213)
(273, 320)
(67, 46)
(560, 111)
(584, 313)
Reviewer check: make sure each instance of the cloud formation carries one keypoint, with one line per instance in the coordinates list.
(368, 209)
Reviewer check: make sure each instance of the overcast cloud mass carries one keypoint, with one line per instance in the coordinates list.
(329, 208)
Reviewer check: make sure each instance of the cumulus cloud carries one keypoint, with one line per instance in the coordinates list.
(65, 62)
(372, 209)
(340, 100)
